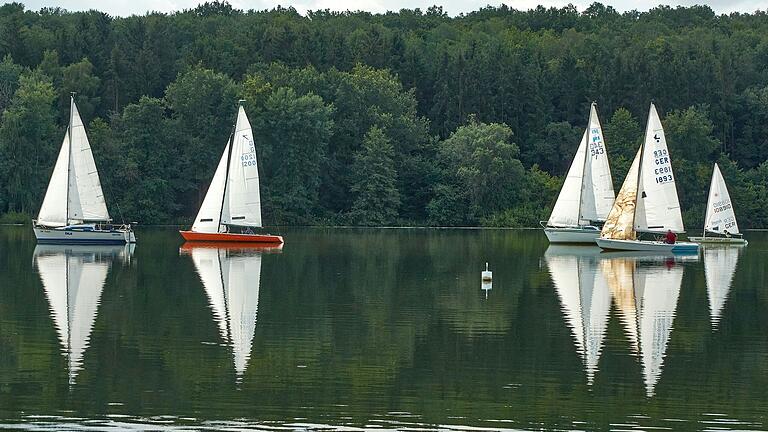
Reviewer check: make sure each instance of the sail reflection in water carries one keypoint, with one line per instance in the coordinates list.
(719, 268)
(231, 276)
(73, 278)
(584, 296)
(645, 290)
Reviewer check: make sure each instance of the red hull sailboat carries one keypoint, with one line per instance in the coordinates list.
(231, 208)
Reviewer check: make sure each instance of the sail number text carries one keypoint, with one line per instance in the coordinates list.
(663, 170)
(248, 158)
(596, 145)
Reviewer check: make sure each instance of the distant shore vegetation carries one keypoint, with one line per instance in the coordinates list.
(404, 118)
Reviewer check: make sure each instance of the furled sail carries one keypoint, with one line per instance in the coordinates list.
(207, 220)
(720, 216)
(658, 207)
(620, 222)
(597, 187)
(242, 204)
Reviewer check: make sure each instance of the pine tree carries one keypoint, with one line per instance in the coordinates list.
(374, 181)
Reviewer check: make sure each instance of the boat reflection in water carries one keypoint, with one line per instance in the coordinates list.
(584, 297)
(645, 290)
(73, 277)
(719, 268)
(231, 273)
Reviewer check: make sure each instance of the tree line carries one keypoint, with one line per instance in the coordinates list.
(409, 117)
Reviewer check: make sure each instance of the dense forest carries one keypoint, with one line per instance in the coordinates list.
(411, 117)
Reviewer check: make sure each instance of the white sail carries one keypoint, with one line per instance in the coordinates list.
(720, 216)
(86, 199)
(620, 222)
(231, 282)
(657, 289)
(53, 212)
(207, 220)
(658, 207)
(719, 268)
(597, 189)
(73, 278)
(566, 210)
(242, 206)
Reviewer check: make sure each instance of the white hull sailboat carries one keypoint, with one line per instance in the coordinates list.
(74, 210)
(233, 200)
(647, 201)
(587, 193)
(720, 219)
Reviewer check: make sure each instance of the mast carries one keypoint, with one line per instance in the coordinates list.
(584, 166)
(229, 160)
(69, 149)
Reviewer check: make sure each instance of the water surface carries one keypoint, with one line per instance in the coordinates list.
(392, 329)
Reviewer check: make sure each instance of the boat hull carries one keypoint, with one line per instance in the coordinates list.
(231, 237)
(67, 236)
(718, 240)
(648, 246)
(571, 235)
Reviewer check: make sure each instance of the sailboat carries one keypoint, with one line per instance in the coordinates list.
(73, 210)
(720, 218)
(647, 201)
(233, 200)
(73, 278)
(646, 297)
(231, 278)
(587, 193)
(585, 299)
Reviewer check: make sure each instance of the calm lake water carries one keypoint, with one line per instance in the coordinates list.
(390, 329)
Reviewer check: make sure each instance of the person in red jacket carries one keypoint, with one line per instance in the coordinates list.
(671, 237)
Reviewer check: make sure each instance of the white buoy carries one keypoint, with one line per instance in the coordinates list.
(487, 275)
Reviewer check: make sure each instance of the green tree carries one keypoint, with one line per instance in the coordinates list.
(292, 134)
(374, 178)
(9, 80)
(622, 139)
(689, 134)
(481, 169)
(28, 144)
(78, 78)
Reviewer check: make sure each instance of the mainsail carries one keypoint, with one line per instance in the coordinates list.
(233, 198)
(658, 207)
(231, 281)
(587, 193)
(74, 192)
(720, 216)
(597, 187)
